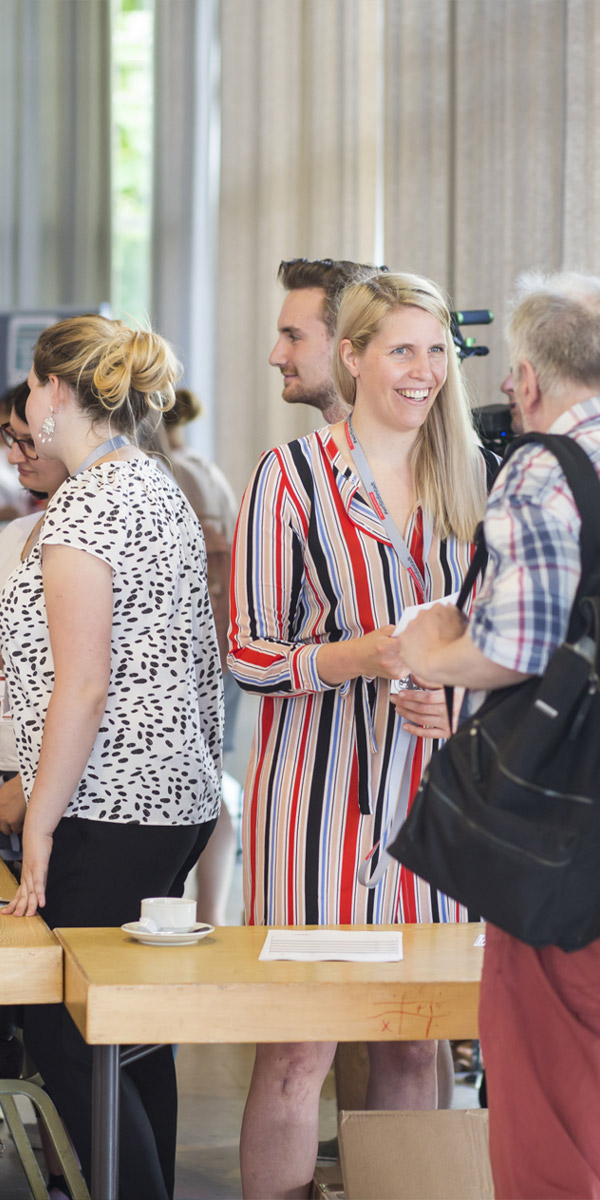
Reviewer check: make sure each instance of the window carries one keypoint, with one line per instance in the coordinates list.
(132, 113)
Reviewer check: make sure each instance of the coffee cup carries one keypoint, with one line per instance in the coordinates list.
(168, 912)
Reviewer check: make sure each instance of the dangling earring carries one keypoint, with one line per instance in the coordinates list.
(48, 426)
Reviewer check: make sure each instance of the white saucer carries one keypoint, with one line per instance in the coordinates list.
(188, 938)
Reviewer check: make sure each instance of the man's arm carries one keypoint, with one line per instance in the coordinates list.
(437, 646)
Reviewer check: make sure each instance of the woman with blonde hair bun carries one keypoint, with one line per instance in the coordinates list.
(338, 533)
(113, 670)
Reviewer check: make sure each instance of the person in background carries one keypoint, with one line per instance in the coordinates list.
(306, 328)
(117, 705)
(320, 579)
(213, 501)
(41, 478)
(13, 501)
(539, 1008)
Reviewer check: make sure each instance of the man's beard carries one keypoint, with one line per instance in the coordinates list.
(325, 399)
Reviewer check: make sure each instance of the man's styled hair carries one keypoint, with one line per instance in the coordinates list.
(329, 274)
(554, 323)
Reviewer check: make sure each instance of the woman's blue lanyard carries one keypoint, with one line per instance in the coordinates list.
(114, 443)
(393, 533)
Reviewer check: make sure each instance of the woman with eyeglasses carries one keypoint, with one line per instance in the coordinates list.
(113, 668)
(42, 478)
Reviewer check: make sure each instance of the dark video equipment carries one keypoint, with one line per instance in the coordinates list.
(469, 316)
(492, 422)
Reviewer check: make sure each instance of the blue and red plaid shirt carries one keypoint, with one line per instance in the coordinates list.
(532, 525)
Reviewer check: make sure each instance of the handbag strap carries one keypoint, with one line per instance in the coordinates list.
(584, 483)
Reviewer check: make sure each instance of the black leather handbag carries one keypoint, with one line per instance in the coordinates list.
(507, 817)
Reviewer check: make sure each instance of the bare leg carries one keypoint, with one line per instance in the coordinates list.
(403, 1075)
(278, 1144)
(214, 871)
(445, 1075)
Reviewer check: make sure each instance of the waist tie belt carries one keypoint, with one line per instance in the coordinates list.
(365, 705)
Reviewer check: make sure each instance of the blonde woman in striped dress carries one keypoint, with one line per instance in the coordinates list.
(339, 532)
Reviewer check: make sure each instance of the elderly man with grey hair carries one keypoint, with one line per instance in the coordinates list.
(540, 1009)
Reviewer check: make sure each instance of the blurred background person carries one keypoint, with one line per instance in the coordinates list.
(41, 478)
(14, 502)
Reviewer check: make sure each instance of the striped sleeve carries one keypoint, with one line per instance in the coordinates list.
(266, 586)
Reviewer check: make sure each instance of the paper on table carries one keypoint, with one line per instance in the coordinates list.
(331, 945)
(409, 615)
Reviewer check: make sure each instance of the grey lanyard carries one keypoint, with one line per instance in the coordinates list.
(366, 475)
(114, 443)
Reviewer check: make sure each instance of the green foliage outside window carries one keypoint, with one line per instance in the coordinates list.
(132, 101)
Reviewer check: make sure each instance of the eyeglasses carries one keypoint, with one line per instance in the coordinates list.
(27, 448)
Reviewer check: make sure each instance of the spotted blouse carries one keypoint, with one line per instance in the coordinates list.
(157, 755)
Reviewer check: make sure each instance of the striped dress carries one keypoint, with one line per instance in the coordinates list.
(312, 564)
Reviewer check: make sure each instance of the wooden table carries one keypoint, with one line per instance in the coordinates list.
(31, 969)
(119, 992)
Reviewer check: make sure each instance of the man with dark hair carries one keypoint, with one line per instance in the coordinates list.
(306, 327)
(539, 1008)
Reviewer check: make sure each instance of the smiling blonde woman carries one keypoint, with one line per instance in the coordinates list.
(338, 533)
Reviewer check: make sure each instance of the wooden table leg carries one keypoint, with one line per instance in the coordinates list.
(105, 1123)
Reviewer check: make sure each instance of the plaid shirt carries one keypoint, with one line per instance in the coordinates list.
(532, 526)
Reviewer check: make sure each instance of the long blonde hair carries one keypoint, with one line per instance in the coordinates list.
(113, 371)
(449, 469)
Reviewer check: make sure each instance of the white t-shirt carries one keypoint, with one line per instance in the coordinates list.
(157, 755)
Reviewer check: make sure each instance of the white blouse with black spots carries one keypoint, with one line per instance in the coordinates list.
(157, 755)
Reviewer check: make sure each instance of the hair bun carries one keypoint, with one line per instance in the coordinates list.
(110, 368)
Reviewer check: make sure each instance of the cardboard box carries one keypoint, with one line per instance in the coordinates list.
(440, 1155)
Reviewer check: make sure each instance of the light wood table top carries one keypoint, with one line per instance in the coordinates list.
(30, 956)
(121, 992)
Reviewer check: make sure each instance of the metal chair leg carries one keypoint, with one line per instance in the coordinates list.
(55, 1129)
(29, 1162)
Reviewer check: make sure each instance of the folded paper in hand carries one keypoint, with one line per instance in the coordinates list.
(409, 615)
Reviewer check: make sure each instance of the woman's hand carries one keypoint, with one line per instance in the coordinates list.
(424, 713)
(12, 806)
(31, 893)
(374, 655)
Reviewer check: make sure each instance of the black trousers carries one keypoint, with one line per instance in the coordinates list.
(99, 872)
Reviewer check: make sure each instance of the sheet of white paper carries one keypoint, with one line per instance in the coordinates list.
(331, 945)
(409, 615)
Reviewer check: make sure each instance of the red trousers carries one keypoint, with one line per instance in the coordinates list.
(540, 1037)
